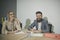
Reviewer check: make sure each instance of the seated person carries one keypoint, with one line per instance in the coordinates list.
(39, 25)
(11, 25)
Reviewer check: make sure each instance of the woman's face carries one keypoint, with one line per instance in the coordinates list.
(11, 16)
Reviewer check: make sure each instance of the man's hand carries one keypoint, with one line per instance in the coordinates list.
(36, 31)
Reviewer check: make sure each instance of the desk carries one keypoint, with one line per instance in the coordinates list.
(21, 37)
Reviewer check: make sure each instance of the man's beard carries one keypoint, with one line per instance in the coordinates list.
(39, 20)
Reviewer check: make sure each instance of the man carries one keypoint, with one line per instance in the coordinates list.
(39, 25)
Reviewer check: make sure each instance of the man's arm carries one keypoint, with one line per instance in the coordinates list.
(31, 26)
(46, 26)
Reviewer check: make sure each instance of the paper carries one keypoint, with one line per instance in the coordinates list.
(37, 34)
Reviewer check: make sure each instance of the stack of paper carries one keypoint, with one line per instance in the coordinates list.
(37, 34)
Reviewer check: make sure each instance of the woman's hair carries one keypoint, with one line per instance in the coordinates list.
(8, 14)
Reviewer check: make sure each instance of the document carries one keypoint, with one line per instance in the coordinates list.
(37, 34)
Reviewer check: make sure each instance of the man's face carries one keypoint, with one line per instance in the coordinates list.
(39, 16)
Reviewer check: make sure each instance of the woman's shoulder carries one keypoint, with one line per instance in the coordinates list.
(16, 19)
(5, 22)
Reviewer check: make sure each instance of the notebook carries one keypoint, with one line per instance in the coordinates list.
(37, 34)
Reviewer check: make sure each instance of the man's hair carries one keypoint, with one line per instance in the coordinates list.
(39, 12)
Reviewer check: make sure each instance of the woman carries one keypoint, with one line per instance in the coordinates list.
(11, 25)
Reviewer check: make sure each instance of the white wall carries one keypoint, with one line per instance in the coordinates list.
(50, 8)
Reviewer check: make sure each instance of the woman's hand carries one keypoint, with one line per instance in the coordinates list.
(10, 32)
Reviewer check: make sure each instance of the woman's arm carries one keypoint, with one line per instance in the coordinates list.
(17, 23)
(4, 31)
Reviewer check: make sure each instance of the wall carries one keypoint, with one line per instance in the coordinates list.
(5, 6)
(50, 8)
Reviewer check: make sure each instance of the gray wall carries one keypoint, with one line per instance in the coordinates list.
(49, 8)
(5, 6)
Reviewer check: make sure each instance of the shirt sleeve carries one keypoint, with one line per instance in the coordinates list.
(17, 23)
(46, 26)
(4, 31)
(31, 26)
